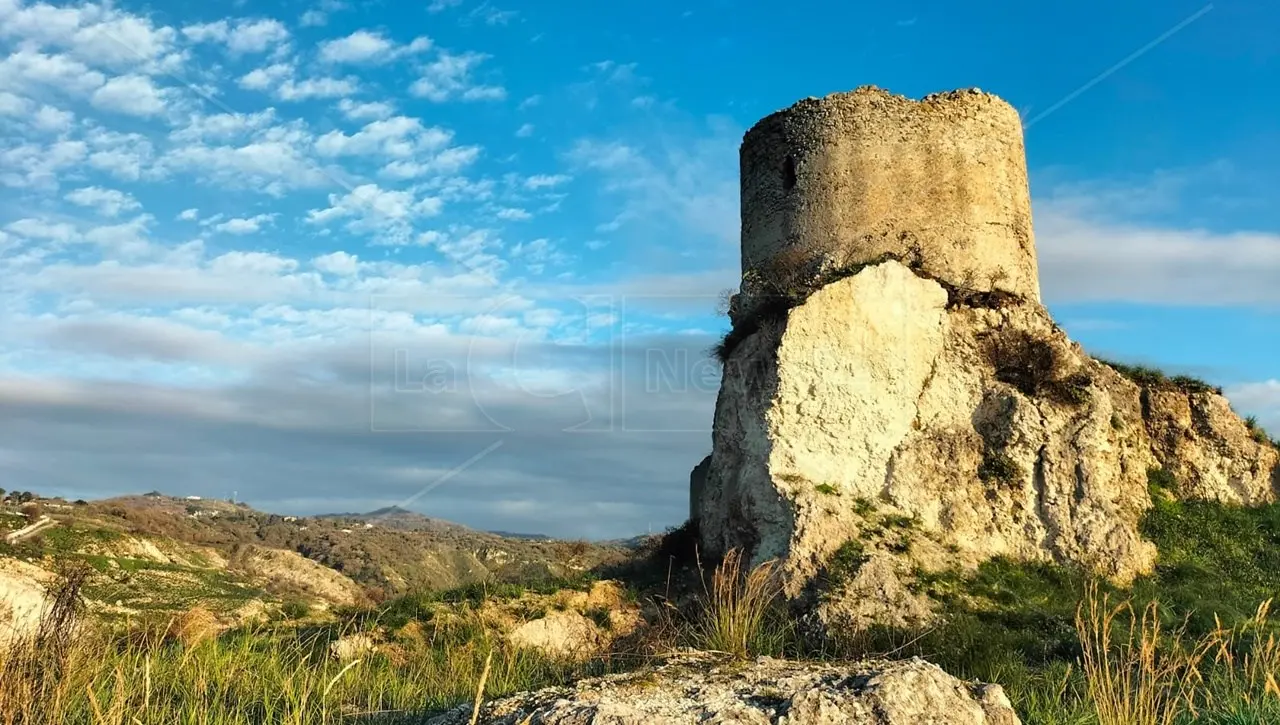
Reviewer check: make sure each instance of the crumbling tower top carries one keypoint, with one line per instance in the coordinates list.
(853, 176)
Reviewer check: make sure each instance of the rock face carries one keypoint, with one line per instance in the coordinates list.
(694, 690)
(904, 413)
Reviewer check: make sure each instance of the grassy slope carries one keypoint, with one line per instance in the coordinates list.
(1014, 623)
(383, 560)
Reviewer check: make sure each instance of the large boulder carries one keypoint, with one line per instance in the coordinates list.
(890, 412)
(698, 689)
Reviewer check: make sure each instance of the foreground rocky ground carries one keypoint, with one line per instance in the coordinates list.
(698, 688)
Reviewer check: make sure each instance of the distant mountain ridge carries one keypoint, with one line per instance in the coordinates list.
(399, 519)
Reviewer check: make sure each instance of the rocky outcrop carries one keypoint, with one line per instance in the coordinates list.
(567, 635)
(696, 689)
(576, 625)
(24, 598)
(352, 647)
(1210, 452)
(902, 406)
(977, 426)
(289, 570)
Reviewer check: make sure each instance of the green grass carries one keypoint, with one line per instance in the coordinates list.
(1013, 623)
(267, 678)
(1155, 378)
(1006, 622)
(845, 562)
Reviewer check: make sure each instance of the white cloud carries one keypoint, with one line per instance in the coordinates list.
(128, 239)
(545, 181)
(245, 225)
(323, 87)
(529, 102)
(514, 214)
(41, 229)
(484, 93)
(442, 5)
(253, 263)
(313, 19)
(691, 183)
(337, 263)
(189, 215)
(13, 105)
(97, 34)
(280, 79)
(223, 126)
(1085, 259)
(365, 111)
(448, 161)
(491, 15)
(123, 155)
(614, 72)
(107, 202)
(364, 46)
(53, 119)
(34, 165)
(397, 137)
(371, 209)
(257, 36)
(26, 71)
(135, 95)
(525, 130)
(449, 76)
(245, 35)
(272, 164)
(267, 77)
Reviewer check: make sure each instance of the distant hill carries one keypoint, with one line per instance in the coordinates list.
(190, 542)
(527, 537)
(398, 519)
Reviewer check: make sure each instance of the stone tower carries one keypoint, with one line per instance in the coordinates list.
(853, 176)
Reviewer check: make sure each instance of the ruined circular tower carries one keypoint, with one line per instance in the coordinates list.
(854, 176)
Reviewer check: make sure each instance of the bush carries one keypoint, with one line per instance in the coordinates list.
(31, 511)
(1037, 368)
(678, 544)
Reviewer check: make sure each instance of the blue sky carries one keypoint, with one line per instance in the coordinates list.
(466, 256)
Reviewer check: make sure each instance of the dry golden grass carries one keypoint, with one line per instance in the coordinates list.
(1137, 673)
(736, 608)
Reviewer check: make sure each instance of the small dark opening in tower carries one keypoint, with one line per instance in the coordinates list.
(788, 174)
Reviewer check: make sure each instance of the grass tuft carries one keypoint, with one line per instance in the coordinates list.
(1137, 674)
(738, 614)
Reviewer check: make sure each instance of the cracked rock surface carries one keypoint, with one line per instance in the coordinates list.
(698, 688)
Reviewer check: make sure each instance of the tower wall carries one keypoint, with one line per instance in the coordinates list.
(850, 177)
